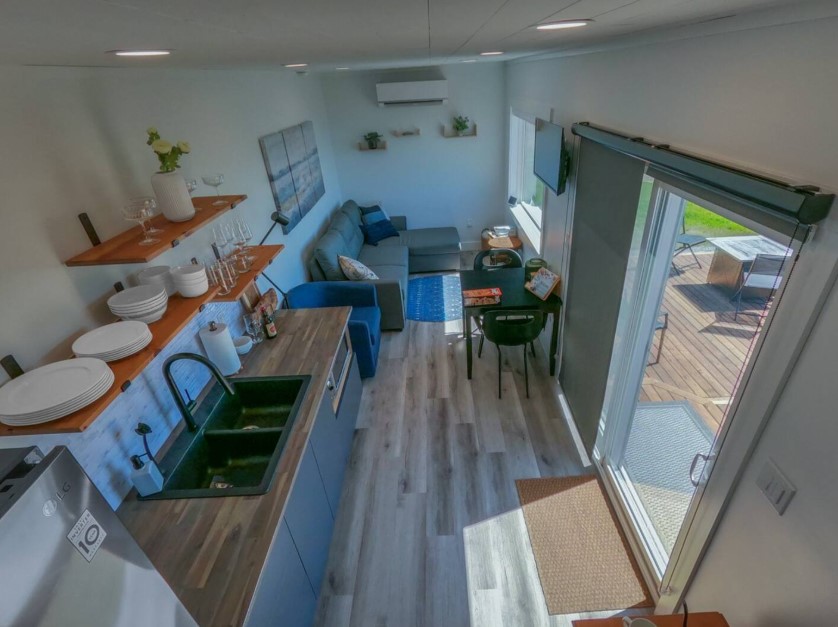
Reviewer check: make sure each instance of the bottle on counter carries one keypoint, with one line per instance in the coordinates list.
(268, 323)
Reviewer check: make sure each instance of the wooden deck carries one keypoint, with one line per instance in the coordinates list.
(704, 349)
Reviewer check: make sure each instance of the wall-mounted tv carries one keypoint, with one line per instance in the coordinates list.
(551, 159)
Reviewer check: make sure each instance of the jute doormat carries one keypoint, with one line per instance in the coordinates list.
(583, 559)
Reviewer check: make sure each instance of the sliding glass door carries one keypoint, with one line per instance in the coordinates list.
(699, 289)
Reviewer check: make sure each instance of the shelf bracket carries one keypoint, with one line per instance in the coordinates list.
(89, 229)
(11, 366)
(118, 287)
(124, 387)
(175, 242)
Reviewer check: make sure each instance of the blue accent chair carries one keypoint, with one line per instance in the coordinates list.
(364, 321)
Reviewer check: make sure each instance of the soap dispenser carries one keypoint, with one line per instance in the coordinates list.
(146, 476)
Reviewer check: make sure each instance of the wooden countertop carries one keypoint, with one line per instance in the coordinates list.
(698, 619)
(211, 550)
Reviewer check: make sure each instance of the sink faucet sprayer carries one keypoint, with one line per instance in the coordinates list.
(182, 407)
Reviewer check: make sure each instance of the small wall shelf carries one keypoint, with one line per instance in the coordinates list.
(264, 257)
(179, 313)
(363, 147)
(450, 133)
(125, 248)
(408, 132)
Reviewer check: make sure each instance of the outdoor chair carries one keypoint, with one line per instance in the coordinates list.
(661, 324)
(764, 274)
(685, 241)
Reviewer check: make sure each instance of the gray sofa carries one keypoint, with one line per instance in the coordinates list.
(414, 250)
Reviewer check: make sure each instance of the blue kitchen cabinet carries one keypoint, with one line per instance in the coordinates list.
(310, 519)
(332, 435)
(283, 594)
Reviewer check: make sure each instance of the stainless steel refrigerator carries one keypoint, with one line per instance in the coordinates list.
(65, 557)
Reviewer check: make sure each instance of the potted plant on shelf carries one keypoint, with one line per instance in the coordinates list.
(372, 140)
(461, 125)
(168, 184)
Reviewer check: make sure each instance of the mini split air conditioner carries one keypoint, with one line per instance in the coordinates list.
(412, 93)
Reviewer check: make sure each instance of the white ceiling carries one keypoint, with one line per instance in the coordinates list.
(325, 33)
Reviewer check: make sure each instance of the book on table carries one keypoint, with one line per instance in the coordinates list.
(482, 297)
(543, 283)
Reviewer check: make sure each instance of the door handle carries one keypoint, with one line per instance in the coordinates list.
(693, 479)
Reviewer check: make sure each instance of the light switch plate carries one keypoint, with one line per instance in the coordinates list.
(775, 486)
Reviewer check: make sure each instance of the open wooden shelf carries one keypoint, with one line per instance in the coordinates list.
(178, 314)
(264, 256)
(452, 134)
(125, 248)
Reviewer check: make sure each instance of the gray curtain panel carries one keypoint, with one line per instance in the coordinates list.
(607, 191)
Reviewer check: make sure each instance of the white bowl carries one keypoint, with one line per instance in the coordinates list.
(198, 281)
(191, 291)
(188, 272)
(243, 344)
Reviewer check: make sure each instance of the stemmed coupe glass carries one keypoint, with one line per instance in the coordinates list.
(215, 180)
(140, 210)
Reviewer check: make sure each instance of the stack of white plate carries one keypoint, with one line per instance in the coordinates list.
(54, 391)
(146, 303)
(113, 341)
(157, 275)
(190, 280)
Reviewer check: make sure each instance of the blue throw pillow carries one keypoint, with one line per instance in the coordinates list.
(373, 214)
(377, 231)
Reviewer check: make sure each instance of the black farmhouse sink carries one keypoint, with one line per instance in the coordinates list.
(239, 441)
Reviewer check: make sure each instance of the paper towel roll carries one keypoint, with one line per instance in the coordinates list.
(220, 349)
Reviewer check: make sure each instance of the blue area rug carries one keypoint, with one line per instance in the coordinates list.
(434, 298)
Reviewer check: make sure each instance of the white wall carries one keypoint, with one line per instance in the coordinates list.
(74, 140)
(765, 99)
(432, 180)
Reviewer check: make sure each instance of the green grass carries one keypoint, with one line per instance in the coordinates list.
(704, 222)
(697, 219)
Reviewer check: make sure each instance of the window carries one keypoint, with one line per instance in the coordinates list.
(528, 190)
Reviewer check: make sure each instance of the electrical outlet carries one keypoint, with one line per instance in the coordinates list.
(469, 223)
(775, 486)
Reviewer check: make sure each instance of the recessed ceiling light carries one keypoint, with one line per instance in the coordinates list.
(140, 53)
(341, 68)
(292, 65)
(469, 60)
(563, 24)
(490, 54)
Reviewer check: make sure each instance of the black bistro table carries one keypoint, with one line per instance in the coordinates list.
(514, 296)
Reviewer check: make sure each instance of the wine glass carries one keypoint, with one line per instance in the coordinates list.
(247, 235)
(139, 210)
(219, 233)
(215, 180)
(151, 205)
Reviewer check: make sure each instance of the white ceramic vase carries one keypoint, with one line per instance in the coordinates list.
(172, 196)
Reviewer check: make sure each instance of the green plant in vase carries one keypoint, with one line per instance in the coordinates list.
(461, 124)
(372, 140)
(168, 154)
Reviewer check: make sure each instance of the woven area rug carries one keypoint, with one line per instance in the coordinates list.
(436, 298)
(583, 560)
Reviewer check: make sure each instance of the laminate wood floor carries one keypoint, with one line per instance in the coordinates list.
(429, 531)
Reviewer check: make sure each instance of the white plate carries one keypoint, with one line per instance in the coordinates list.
(134, 296)
(121, 354)
(52, 386)
(111, 338)
(148, 318)
(151, 304)
(66, 410)
(71, 406)
(187, 272)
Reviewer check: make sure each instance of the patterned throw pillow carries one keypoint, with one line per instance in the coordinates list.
(377, 231)
(354, 270)
(373, 214)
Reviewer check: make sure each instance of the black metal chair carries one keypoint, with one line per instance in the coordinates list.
(508, 327)
(498, 258)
